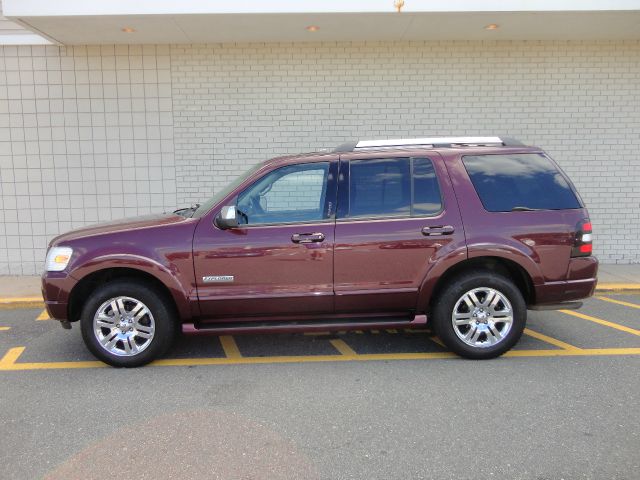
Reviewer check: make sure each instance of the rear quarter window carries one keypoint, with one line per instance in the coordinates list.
(519, 181)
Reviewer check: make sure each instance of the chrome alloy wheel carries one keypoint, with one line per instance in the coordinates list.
(124, 326)
(482, 317)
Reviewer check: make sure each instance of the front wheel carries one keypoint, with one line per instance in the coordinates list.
(127, 324)
(480, 315)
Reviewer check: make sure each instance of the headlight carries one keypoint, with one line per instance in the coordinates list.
(58, 259)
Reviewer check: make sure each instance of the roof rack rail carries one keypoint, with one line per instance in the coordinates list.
(434, 142)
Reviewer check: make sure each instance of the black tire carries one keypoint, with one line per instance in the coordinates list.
(164, 318)
(444, 304)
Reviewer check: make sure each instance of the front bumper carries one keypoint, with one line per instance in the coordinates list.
(56, 288)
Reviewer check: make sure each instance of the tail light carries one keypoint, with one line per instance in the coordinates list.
(583, 245)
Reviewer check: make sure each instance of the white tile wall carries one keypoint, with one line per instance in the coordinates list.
(86, 135)
(235, 105)
(95, 133)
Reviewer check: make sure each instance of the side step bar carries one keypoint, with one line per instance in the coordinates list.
(280, 326)
(556, 306)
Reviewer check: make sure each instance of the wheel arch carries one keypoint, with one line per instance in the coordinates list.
(91, 281)
(503, 266)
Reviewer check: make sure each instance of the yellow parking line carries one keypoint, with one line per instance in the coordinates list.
(606, 323)
(9, 300)
(4, 329)
(21, 305)
(342, 347)
(577, 352)
(551, 340)
(619, 302)
(230, 347)
(437, 341)
(43, 316)
(617, 287)
(8, 362)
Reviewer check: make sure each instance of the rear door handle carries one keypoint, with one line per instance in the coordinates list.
(307, 237)
(439, 230)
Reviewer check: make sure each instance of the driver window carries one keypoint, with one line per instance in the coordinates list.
(295, 193)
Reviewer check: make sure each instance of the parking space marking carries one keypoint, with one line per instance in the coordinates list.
(9, 361)
(4, 329)
(619, 302)
(20, 304)
(618, 287)
(606, 323)
(342, 347)
(550, 340)
(230, 347)
(18, 300)
(43, 316)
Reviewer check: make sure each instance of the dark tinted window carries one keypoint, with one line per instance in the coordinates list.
(426, 192)
(505, 182)
(383, 187)
(379, 187)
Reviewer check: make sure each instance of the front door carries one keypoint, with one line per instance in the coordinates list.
(396, 217)
(279, 261)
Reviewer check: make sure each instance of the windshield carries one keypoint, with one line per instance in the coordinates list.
(206, 206)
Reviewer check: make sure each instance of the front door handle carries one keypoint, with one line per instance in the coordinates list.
(439, 230)
(307, 237)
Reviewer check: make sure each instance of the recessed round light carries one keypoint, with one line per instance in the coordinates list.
(492, 26)
(312, 28)
(128, 29)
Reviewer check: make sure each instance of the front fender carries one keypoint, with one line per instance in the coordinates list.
(143, 264)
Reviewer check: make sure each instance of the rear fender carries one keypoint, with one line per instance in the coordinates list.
(514, 255)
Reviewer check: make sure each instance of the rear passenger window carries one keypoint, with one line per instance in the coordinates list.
(393, 187)
(426, 192)
(521, 181)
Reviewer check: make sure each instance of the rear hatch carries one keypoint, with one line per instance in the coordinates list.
(524, 200)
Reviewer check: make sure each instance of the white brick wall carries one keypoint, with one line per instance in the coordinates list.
(95, 133)
(86, 135)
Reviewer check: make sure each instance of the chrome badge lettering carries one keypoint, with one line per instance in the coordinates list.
(217, 278)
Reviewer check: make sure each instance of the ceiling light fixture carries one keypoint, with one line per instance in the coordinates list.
(312, 28)
(128, 29)
(492, 26)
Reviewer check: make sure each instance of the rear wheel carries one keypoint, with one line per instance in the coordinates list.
(127, 324)
(480, 315)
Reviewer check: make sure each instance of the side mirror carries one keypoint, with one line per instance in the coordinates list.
(227, 218)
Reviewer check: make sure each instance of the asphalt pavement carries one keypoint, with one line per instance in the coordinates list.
(373, 405)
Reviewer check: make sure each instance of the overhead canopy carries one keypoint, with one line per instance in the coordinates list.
(198, 21)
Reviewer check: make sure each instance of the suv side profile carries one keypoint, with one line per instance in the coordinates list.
(466, 233)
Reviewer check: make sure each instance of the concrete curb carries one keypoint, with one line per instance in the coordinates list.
(37, 301)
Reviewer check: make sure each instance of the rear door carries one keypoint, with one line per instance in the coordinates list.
(396, 217)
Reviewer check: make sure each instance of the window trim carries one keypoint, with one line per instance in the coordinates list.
(344, 191)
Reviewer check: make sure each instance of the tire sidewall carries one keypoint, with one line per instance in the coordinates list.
(165, 325)
(451, 294)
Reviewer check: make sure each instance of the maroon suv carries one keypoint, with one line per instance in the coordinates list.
(466, 233)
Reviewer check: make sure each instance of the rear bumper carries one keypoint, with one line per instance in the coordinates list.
(581, 283)
(56, 287)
